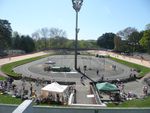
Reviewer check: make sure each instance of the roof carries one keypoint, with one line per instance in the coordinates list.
(105, 86)
(55, 87)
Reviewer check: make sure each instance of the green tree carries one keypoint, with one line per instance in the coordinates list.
(147, 27)
(70, 44)
(56, 32)
(40, 44)
(125, 47)
(5, 34)
(87, 44)
(134, 39)
(145, 41)
(126, 32)
(58, 42)
(49, 38)
(117, 43)
(27, 44)
(16, 41)
(36, 38)
(106, 41)
(82, 44)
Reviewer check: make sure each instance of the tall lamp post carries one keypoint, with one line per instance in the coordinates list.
(76, 6)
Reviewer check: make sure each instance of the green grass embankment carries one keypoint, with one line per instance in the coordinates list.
(133, 103)
(2, 78)
(8, 68)
(8, 99)
(142, 69)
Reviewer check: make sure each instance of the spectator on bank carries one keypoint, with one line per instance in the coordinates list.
(102, 78)
(82, 81)
(145, 90)
(97, 72)
(142, 58)
(79, 69)
(31, 88)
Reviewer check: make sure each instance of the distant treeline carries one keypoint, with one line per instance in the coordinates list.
(128, 40)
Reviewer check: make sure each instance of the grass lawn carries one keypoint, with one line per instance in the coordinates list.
(2, 78)
(8, 68)
(143, 70)
(133, 103)
(8, 99)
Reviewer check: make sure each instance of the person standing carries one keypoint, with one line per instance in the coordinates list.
(97, 72)
(31, 88)
(145, 90)
(102, 78)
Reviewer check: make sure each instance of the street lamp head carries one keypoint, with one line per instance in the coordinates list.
(77, 4)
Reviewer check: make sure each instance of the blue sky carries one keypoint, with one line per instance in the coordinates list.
(95, 17)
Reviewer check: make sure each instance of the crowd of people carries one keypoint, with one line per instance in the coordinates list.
(28, 90)
(8, 87)
(130, 95)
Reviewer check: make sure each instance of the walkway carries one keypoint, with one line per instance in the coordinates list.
(17, 58)
(139, 61)
(82, 91)
(135, 59)
(81, 88)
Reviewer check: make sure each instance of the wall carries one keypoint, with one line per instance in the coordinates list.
(7, 108)
(88, 110)
(54, 109)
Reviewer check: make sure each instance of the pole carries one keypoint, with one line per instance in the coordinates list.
(45, 43)
(76, 39)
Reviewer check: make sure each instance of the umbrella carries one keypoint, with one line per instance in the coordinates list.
(106, 87)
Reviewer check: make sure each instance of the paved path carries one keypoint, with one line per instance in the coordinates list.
(122, 57)
(135, 59)
(135, 86)
(17, 58)
(129, 86)
(82, 91)
(22, 57)
(36, 70)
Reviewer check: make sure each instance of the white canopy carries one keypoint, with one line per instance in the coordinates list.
(55, 87)
(50, 62)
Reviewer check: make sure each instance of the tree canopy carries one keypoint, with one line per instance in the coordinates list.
(106, 41)
(126, 32)
(5, 34)
(22, 42)
(145, 41)
(117, 43)
(133, 40)
(147, 27)
(126, 40)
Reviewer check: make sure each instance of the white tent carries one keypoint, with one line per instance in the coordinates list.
(55, 88)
